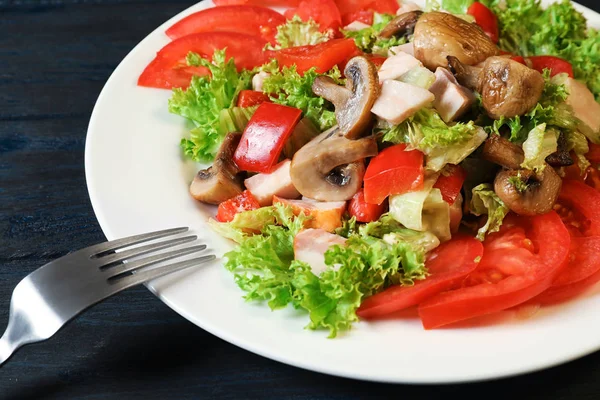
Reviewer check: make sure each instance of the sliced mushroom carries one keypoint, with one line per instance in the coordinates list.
(535, 196)
(402, 25)
(438, 35)
(219, 182)
(352, 103)
(331, 167)
(507, 88)
(502, 152)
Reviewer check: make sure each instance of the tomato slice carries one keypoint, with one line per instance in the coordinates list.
(323, 56)
(393, 171)
(584, 200)
(265, 3)
(555, 64)
(486, 19)
(351, 6)
(510, 273)
(364, 16)
(519, 59)
(242, 202)
(258, 21)
(264, 137)
(582, 271)
(447, 266)
(323, 12)
(169, 70)
(363, 211)
(249, 98)
(450, 182)
(384, 6)
(594, 154)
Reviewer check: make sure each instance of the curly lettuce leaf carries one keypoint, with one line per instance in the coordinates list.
(484, 201)
(577, 142)
(289, 88)
(296, 32)
(368, 38)
(204, 100)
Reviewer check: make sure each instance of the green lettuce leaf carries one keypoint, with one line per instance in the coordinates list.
(457, 6)
(484, 201)
(289, 88)
(296, 32)
(368, 38)
(577, 142)
(204, 100)
(540, 143)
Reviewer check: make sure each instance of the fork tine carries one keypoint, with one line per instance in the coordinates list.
(148, 261)
(141, 277)
(98, 249)
(141, 250)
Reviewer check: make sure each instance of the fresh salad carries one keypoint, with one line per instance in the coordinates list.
(369, 156)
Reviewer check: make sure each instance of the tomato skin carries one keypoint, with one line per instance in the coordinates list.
(363, 211)
(450, 182)
(519, 59)
(258, 21)
(264, 3)
(351, 6)
(323, 12)
(516, 274)
(376, 60)
(169, 70)
(447, 265)
(555, 64)
(594, 154)
(250, 98)
(393, 171)
(242, 202)
(486, 19)
(323, 56)
(364, 16)
(264, 137)
(384, 6)
(584, 199)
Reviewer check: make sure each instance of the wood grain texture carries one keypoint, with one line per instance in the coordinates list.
(55, 56)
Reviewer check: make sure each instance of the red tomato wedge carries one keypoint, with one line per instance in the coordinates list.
(363, 211)
(519, 59)
(555, 64)
(249, 98)
(384, 6)
(447, 265)
(393, 171)
(242, 202)
(510, 272)
(264, 137)
(257, 21)
(364, 16)
(323, 12)
(265, 3)
(582, 271)
(352, 6)
(584, 200)
(450, 182)
(594, 154)
(322, 56)
(486, 19)
(169, 70)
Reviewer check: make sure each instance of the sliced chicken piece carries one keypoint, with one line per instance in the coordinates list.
(584, 106)
(407, 6)
(276, 183)
(451, 99)
(258, 80)
(310, 246)
(326, 215)
(396, 66)
(356, 26)
(407, 48)
(399, 100)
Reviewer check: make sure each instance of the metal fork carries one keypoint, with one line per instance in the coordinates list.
(49, 297)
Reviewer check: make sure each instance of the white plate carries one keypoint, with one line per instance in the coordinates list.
(138, 182)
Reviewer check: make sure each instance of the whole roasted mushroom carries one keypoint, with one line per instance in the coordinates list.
(219, 182)
(439, 35)
(507, 88)
(526, 192)
(352, 103)
(331, 166)
(402, 25)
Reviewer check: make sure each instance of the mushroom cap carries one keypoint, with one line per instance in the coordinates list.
(352, 103)
(401, 25)
(438, 35)
(540, 195)
(330, 167)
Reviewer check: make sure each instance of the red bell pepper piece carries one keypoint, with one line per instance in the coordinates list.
(363, 211)
(556, 65)
(242, 202)
(264, 137)
(486, 19)
(249, 98)
(450, 182)
(393, 171)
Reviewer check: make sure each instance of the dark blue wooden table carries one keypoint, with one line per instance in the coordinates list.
(55, 56)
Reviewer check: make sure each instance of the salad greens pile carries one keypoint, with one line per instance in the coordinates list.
(368, 39)
(375, 256)
(296, 32)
